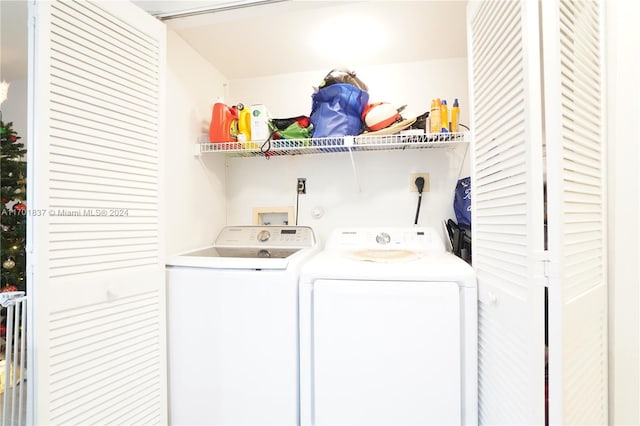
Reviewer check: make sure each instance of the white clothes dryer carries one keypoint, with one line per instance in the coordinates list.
(232, 315)
(388, 331)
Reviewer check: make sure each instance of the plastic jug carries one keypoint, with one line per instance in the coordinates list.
(244, 123)
(224, 123)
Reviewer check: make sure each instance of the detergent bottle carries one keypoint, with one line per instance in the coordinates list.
(224, 123)
(244, 123)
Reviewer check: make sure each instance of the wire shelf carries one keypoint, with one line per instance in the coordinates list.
(338, 144)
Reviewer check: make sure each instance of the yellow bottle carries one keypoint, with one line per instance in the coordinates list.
(444, 117)
(244, 127)
(434, 116)
(455, 113)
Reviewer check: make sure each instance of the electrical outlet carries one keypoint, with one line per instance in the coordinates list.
(412, 181)
(302, 185)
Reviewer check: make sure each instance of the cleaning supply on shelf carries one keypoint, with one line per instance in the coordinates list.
(259, 122)
(224, 123)
(244, 123)
(244, 128)
(444, 117)
(455, 115)
(434, 116)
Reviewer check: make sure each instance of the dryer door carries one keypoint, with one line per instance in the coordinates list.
(386, 353)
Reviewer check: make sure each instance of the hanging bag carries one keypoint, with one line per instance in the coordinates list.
(462, 202)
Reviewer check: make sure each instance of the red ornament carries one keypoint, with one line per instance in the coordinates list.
(13, 138)
(3, 330)
(5, 201)
(8, 288)
(20, 207)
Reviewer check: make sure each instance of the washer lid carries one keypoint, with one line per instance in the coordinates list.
(252, 247)
(428, 266)
(243, 252)
(240, 258)
(384, 256)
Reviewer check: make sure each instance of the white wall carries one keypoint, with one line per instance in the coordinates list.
(195, 186)
(377, 191)
(624, 194)
(377, 196)
(413, 84)
(13, 59)
(14, 109)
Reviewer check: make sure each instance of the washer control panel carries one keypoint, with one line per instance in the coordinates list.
(267, 236)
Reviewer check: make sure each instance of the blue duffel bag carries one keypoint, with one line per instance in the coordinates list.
(336, 110)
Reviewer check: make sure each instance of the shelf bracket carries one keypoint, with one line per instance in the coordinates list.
(349, 142)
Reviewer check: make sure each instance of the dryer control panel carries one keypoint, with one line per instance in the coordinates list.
(416, 239)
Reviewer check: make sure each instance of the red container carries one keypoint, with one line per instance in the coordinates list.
(224, 123)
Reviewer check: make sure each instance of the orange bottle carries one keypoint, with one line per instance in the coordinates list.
(224, 123)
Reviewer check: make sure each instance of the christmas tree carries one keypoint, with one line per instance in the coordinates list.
(13, 215)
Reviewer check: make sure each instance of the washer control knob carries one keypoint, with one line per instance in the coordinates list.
(383, 238)
(263, 236)
(264, 253)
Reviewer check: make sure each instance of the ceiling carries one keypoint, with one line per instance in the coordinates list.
(295, 36)
(287, 36)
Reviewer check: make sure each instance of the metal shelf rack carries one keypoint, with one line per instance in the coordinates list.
(339, 144)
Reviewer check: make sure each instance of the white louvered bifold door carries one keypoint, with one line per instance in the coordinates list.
(94, 241)
(574, 119)
(508, 222)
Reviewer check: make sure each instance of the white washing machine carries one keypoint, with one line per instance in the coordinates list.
(232, 314)
(388, 331)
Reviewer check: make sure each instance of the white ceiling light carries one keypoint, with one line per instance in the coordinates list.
(349, 37)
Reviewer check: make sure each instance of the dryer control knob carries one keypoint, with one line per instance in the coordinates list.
(383, 238)
(263, 236)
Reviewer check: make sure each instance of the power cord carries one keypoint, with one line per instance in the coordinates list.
(420, 185)
(300, 189)
(297, 204)
(266, 145)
